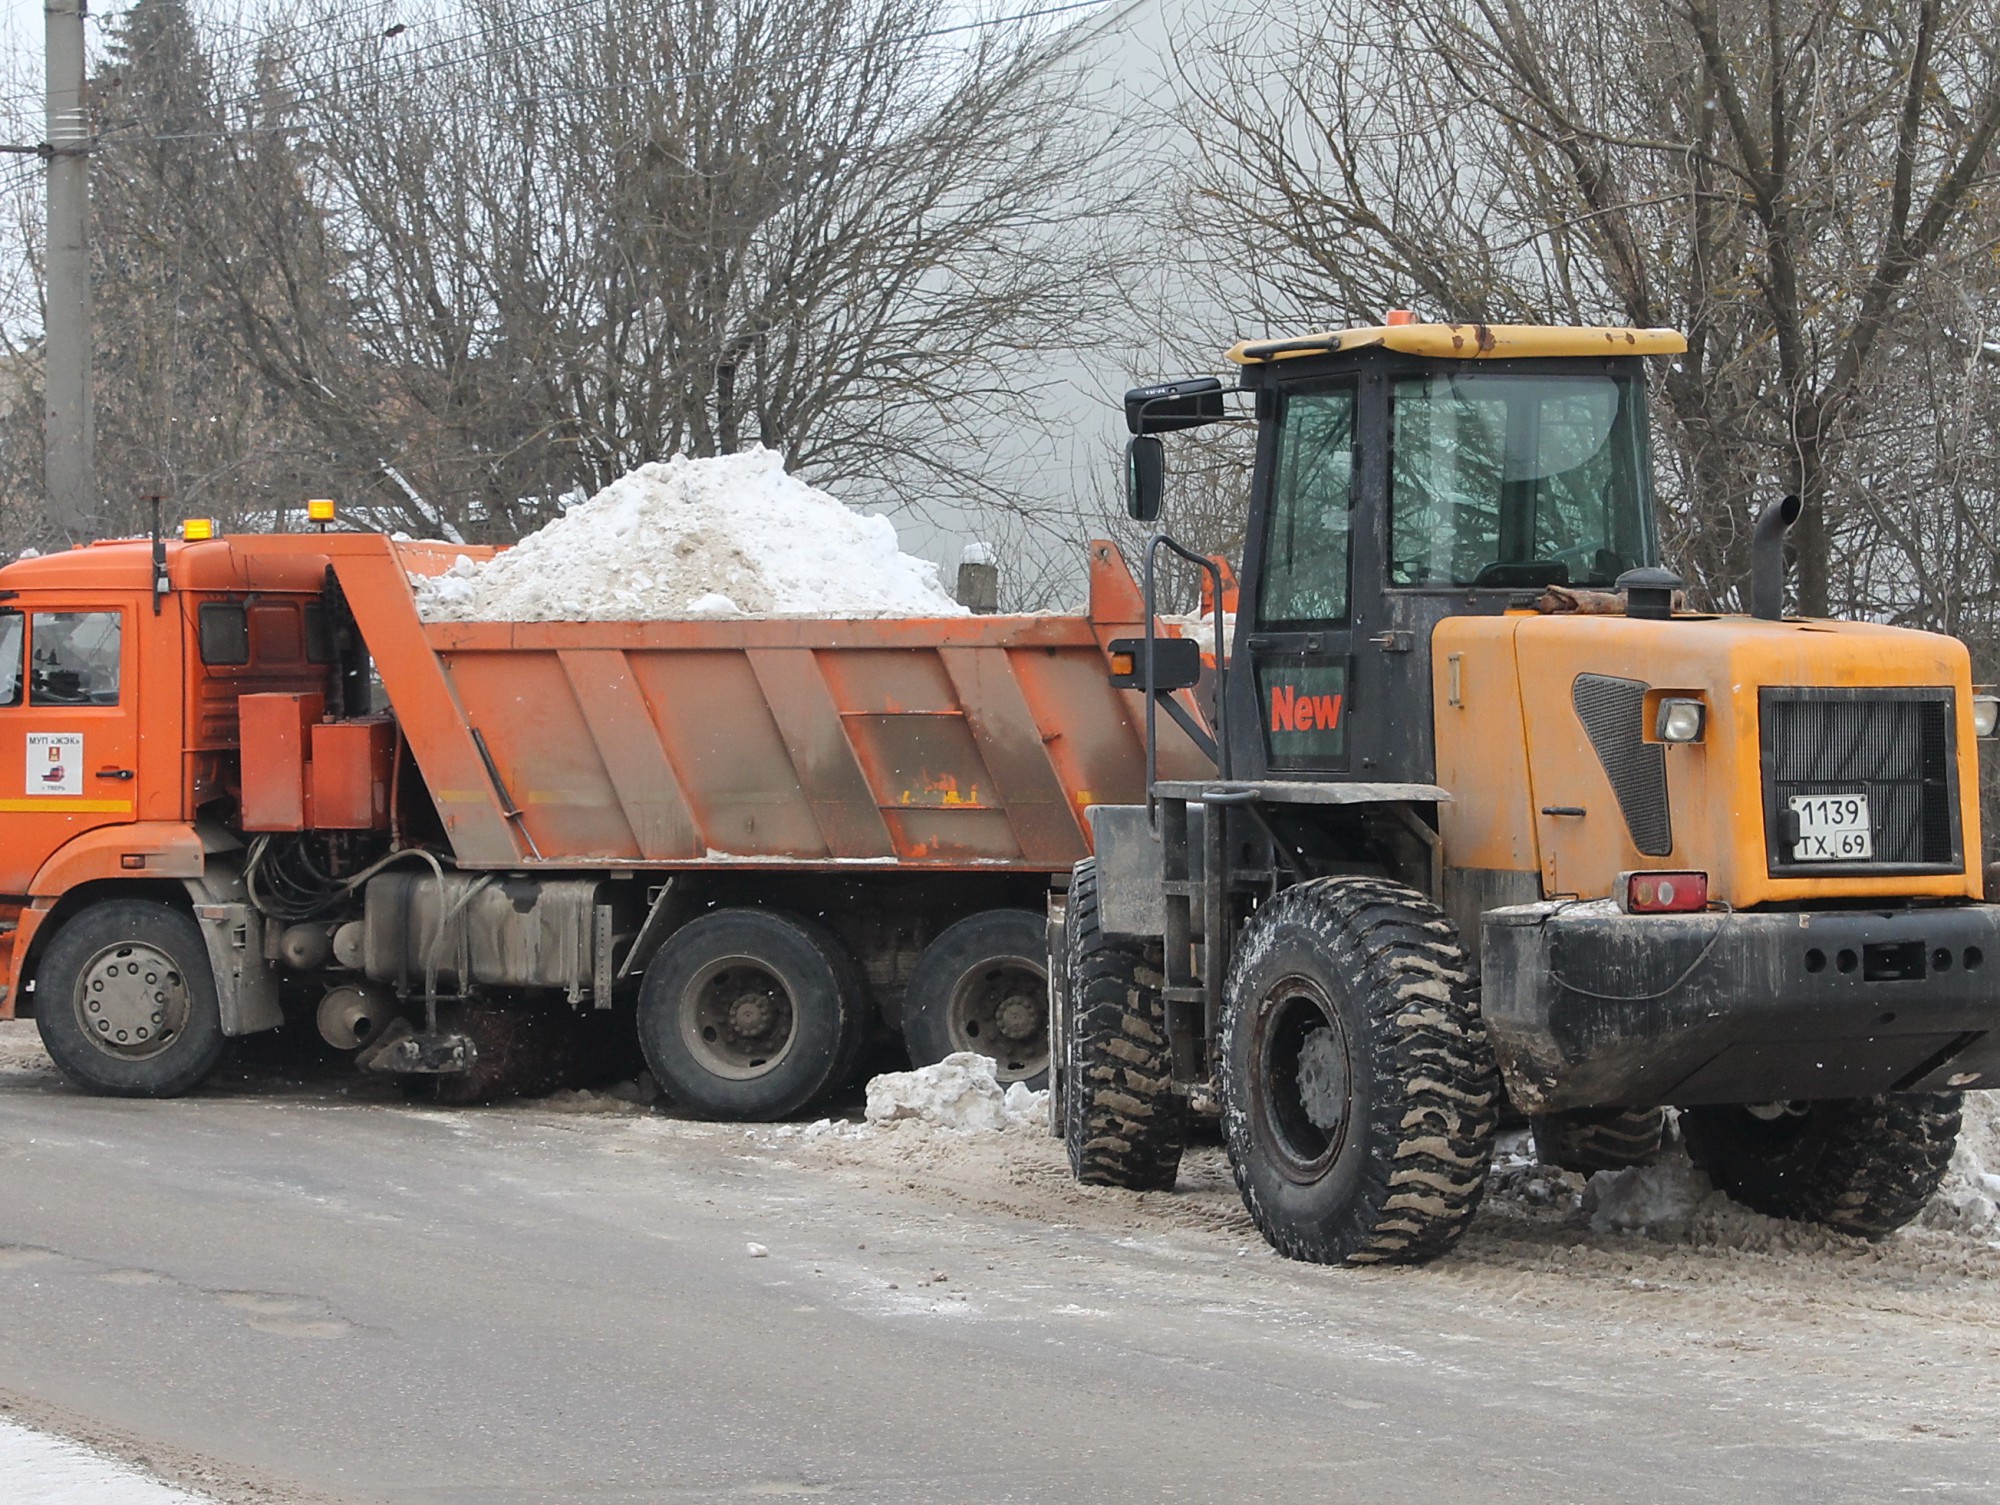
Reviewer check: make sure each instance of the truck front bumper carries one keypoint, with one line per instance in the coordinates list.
(1589, 1007)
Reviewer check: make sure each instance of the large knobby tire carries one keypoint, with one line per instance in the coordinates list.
(751, 1014)
(1863, 1165)
(983, 985)
(1600, 1139)
(1359, 1091)
(125, 1001)
(1123, 1122)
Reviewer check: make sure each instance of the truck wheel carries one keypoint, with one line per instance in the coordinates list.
(1599, 1139)
(125, 1001)
(750, 1014)
(1123, 1123)
(1359, 1091)
(1863, 1165)
(983, 985)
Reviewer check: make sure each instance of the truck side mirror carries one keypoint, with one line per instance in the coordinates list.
(1145, 476)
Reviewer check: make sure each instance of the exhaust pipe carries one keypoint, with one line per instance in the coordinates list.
(350, 1017)
(1767, 558)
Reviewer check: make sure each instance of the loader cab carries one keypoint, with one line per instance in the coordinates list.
(1403, 475)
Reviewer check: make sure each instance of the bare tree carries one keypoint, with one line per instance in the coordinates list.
(1799, 186)
(508, 252)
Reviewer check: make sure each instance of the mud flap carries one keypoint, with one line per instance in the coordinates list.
(246, 990)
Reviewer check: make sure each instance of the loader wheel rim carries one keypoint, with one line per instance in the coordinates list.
(1306, 1074)
(131, 1001)
(1000, 1009)
(737, 1018)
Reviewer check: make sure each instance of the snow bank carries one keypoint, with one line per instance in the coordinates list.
(959, 1092)
(1673, 1199)
(1663, 1198)
(51, 1471)
(729, 536)
(1968, 1201)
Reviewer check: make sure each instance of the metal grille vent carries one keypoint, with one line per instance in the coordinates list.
(1613, 713)
(1895, 746)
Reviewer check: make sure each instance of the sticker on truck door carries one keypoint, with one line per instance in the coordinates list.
(55, 762)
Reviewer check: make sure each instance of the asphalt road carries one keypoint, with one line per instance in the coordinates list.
(285, 1294)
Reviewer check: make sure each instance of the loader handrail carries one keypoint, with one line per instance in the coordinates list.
(1214, 573)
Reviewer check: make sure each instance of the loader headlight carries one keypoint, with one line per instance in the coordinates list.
(1680, 720)
(1985, 715)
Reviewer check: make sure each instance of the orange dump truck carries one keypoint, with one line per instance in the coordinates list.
(241, 780)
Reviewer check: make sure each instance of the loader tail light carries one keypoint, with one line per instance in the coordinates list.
(1665, 893)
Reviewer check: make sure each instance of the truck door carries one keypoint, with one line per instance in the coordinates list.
(68, 728)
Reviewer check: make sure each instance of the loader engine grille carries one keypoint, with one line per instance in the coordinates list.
(1893, 745)
(1613, 713)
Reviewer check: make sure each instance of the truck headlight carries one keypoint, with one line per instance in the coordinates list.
(1985, 715)
(1681, 720)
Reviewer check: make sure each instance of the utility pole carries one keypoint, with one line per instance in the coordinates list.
(70, 468)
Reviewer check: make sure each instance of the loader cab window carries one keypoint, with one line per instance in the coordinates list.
(1518, 481)
(10, 658)
(74, 658)
(1306, 546)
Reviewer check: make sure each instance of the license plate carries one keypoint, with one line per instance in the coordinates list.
(1832, 828)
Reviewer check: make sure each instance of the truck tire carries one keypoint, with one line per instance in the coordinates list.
(751, 1014)
(1123, 1122)
(1863, 1165)
(983, 985)
(1599, 1139)
(1359, 1090)
(125, 1001)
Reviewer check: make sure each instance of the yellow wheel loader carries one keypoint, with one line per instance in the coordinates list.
(1496, 819)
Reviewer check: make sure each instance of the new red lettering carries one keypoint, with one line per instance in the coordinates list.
(1282, 702)
(1294, 712)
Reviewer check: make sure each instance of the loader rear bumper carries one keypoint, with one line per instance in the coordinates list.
(1590, 1007)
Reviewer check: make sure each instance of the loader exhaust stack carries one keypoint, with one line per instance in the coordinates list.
(1767, 558)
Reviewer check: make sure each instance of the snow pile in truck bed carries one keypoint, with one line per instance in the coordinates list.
(729, 536)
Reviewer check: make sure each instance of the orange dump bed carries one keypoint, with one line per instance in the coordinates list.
(949, 743)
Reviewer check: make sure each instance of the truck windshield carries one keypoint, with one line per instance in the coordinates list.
(1518, 480)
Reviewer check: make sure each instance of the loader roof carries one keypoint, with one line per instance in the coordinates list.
(1468, 342)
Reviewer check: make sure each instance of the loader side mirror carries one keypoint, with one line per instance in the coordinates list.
(1145, 476)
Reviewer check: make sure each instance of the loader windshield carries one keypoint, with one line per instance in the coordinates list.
(1522, 480)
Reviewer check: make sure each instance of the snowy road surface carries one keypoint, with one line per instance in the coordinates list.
(281, 1293)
